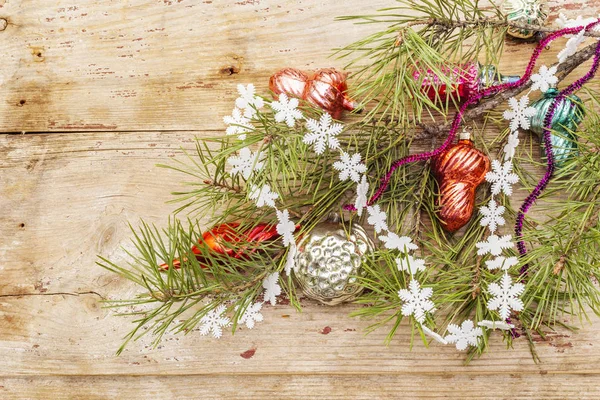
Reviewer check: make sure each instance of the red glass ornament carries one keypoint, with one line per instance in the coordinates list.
(466, 79)
(458, 171)
(222, 239)
(326, 88)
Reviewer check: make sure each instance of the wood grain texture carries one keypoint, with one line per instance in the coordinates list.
(115, 87)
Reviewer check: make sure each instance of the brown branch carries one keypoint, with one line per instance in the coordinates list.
(476, 278)
(210, 182)
(485, 22)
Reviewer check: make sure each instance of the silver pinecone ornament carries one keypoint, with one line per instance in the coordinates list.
(328, 261)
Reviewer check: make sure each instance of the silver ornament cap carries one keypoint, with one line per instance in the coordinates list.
(329, 260)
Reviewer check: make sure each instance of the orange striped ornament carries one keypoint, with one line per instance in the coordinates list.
(458, 171)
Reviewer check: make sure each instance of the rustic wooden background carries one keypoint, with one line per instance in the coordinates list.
(92, 95)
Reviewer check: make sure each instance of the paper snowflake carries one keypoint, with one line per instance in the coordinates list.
(494, 245)
(214, 321)
(251, 315)
(511, 146)
(248, 101)
(521, 114)
(416, 301)
(287, 110)
(263, 196)
(285, 227)
(393, 241)
(350, 167)
(290, 261)
(505, 326)
(272, 288)
(571, 47)
(492, 215)
(505, 296)
(322, 133)
(246, 162)
(238, 124)
(563, 22)
(362, 190)
(377, 218)
(464, 335)
(544, 79)
(501, 262)
(501, 177)
(410, 264)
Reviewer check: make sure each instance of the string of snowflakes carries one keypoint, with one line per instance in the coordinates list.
(246, 163)
(416, 300)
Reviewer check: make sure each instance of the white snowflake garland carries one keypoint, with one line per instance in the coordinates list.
(394, 242)
(544, 79)
(502, 325)
(350, 167)
(410, 264)
(520, 113)
(377, 218)
(505, 296)
(416, 301)
(251, 315)
(246, 162)
(214, 321)
(494, 245)
(285, 227)
(286, 110)
(238, 124)
(463, 336)
(272, 288)
(322, 133)
(290, 261)
(492, 215)
(511, 146)
(501, 177)
(362, 191)
(501, 262)
(263, 195)
(248, 101)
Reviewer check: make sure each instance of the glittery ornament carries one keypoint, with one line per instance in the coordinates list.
(526, 12)
(328, 261)
(567, 116)
(326, 88)
(466, 79)
(458, 171)
(230, 240)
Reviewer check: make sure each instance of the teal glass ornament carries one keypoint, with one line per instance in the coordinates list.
(567, 117)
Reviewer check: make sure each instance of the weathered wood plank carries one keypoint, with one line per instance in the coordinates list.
(167, 64)
(481, 387)
(72, 335)
(154, 64)
(69, 198)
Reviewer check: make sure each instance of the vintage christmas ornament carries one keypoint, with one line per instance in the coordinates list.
(326, 88)
(526, 12)
(329, 259)
(567, 117)
(458, 171)
(466, 79)
(228, 239)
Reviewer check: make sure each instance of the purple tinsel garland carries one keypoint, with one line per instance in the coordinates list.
(547, 129)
